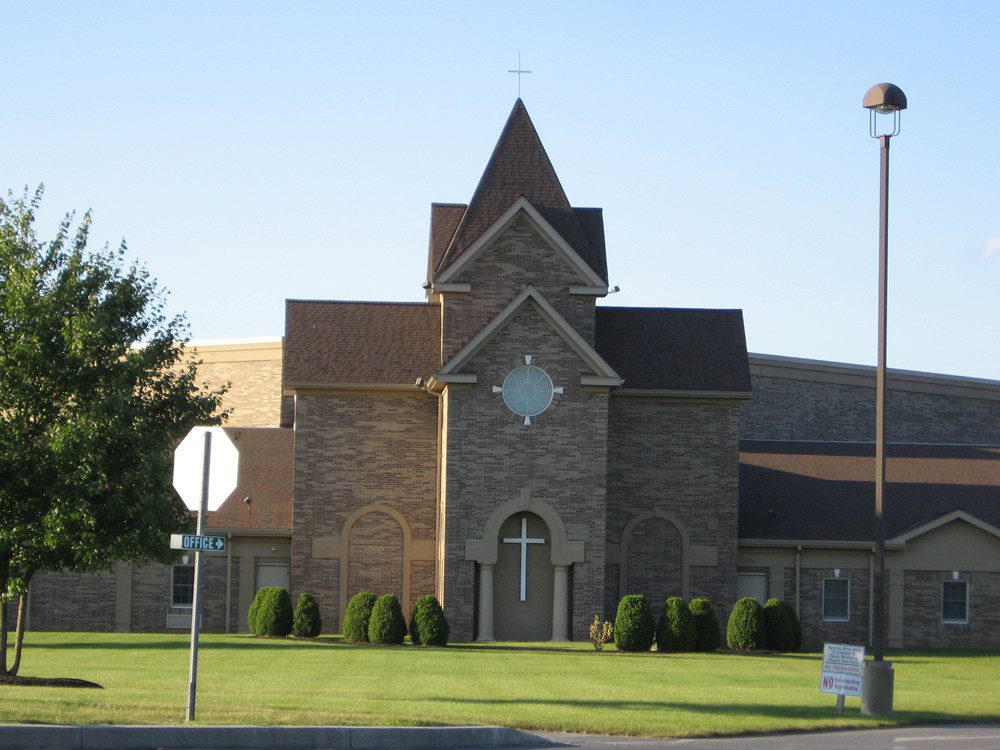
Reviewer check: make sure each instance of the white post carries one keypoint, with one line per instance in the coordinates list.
(485, 602)
(196, 599)
(560, 603)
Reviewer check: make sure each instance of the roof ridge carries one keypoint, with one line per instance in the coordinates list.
(672, 309)
(358, 302)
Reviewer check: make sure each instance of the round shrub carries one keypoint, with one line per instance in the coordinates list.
(784, 633)
(675, 631)
(745, 629)
(428, 626)
(271, 612)
(359, 612)
(306, 623)
(387, 625)
(634, 624)
(706, 625)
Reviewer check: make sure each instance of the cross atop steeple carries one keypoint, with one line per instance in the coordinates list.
(519, 72)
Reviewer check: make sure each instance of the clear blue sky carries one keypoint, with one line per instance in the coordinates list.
(251, 152)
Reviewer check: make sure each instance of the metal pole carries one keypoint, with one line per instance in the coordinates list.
(196, 603)
(878, 619)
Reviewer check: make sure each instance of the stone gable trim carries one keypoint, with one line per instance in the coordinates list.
(955, 515)
(699, 395)
(456, 287)
(484, 550)
(605, 372)
(544, 228)
(589, 291)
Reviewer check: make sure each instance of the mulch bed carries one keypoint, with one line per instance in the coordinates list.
(47, 682)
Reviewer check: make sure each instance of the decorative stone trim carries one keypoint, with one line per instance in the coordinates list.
(685, 546)
(345, 550)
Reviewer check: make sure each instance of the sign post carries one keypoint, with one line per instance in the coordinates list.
(203, 480)
(842, 668)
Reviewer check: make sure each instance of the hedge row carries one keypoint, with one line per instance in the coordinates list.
(271, 614)
(379, 620)
(694, 626)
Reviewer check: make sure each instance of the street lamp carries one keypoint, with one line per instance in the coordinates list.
(877, 682)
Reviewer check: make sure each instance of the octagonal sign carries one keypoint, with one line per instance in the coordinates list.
(189, 464)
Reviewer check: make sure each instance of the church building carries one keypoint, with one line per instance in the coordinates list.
(529, 456)
(508, 444)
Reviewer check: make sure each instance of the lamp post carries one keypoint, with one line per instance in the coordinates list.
(877, 680)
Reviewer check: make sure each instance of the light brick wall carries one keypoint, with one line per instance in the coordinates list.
(680, 458)
(492, 457)
(151, 596)
(922, 625)
(520, 256)
(815, 630)
(786, 409)
(70, 601)
(254, 397)
(352, 451)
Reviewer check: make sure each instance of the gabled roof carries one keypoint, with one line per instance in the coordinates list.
(826, 491)
(673, 349)
(445, 218)
(519, 167)
(360, 343)
(265, 476)
(602, 370)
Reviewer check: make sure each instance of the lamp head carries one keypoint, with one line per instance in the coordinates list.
(885, 98)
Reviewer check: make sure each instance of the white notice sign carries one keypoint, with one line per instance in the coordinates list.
(842, 665)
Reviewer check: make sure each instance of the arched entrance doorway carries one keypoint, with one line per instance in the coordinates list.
(523, 580)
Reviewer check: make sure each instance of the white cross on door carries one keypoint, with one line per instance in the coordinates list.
(524, 541)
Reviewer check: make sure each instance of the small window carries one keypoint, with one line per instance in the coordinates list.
(182, 586)
(955, 602)
(837, 599)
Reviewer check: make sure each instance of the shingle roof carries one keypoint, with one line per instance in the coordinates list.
(675, 349)
(265, 476)
(520, 167)
(826, 491)
(360, 342)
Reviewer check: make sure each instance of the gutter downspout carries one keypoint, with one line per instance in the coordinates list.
(229, 577)
(798, 579)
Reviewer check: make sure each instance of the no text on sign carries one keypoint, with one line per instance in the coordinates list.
(198, 543)
(842, 667)
(189, 468)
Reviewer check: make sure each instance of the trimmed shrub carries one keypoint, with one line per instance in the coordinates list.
(306, 623)
(428, 626)
(634, 624)
(387, 625)
(675, 631)
(784, 633)
(745, 629)
(359, 612)
(271, 612)
(706, 625)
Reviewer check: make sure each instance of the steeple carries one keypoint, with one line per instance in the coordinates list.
(518, 167)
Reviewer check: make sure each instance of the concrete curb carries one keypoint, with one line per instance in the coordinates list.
(55, 737)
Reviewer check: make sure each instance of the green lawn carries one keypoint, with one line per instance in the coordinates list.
(243, 680)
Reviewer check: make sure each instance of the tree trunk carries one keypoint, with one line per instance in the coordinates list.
(3, 625)
(22, 616)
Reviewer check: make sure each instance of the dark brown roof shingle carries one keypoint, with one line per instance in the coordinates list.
(360, 342)
(826, 491)
(445, 218)
(675, 349)
(520, 167)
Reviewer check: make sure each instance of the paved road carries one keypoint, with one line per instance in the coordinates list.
(980, 737)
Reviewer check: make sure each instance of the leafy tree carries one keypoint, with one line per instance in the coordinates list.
(387, 625)
(95, 391)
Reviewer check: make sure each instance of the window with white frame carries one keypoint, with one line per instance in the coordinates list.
(955, 602)
(837, 599)
(182, 586)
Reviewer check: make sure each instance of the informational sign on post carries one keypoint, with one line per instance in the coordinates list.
(842, 667)
(206, 466)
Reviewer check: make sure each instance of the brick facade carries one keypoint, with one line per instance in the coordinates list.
(793, 409)
(923, 624)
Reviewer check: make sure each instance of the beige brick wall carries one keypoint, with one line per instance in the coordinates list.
(353, 450)
(71, 601)
(492, 457)
(253, 370)
(922, 624)
(680, 458)
(520, 256)
(815, 630)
